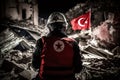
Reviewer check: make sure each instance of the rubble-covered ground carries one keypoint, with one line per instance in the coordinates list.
(18, 43)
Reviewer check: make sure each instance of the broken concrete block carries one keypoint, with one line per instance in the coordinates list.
(27, 74)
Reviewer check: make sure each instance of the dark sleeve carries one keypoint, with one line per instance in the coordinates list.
(36, 55)
(77, 58)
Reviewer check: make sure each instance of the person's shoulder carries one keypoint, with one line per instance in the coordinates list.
(41, 38)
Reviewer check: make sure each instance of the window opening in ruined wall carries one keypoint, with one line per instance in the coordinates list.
(23, 13)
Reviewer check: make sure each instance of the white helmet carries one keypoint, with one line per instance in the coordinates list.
(57, 20)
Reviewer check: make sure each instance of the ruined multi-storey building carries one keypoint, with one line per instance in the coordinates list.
(19, 10)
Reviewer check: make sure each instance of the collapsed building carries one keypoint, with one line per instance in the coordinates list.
(100, 46)
(19, 10)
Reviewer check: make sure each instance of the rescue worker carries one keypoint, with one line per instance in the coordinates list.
(56, 56)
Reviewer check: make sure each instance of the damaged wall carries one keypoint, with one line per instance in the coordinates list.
(25, 12)
(19, 10)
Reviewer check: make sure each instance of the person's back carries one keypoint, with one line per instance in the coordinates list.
(59, 56)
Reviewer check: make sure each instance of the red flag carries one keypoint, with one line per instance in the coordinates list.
(81, 22)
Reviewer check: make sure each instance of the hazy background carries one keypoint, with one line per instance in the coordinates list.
(48, 6)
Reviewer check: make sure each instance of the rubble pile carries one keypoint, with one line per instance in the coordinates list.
(100, 63)
(100, 48)
(17, 43)
(28, 25)
(101, 69)
(101, 54)
(16, 48)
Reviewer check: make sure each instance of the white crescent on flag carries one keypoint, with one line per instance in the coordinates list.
(80, 24)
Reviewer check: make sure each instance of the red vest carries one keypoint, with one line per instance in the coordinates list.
(57, 59)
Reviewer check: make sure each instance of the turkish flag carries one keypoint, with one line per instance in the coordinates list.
(82, 22)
